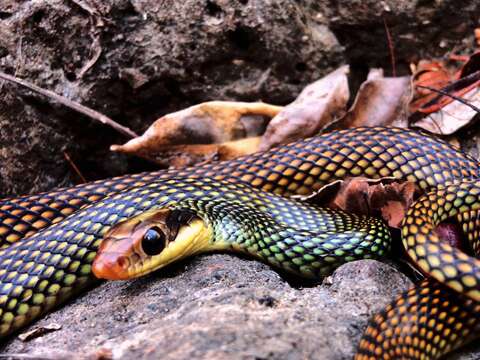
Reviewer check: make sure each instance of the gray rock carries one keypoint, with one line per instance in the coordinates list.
(221, 306)
(155, 57)
(159, 56)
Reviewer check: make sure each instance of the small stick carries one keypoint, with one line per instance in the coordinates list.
(444, 93)
(74, 167)
(95, 115)
(390, 48)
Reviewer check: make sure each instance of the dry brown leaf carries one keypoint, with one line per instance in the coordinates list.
(449, 81)
(453, 116)
(393, 200)
(211, 126)
(380, 101)
(178, 156)
(385, 197)
(39, 331)
(317, 105)
(237, 148)
(434, 74)
(352, 196)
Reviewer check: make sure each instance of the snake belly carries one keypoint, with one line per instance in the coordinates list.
(46, 268)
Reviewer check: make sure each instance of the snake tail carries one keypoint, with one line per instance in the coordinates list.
(443, 312)
(448, 265)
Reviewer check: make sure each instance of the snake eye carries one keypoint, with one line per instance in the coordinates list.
(153, 241)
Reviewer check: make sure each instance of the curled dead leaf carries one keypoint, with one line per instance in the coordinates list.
(453, 116)
(317, 105)
(237, 148)
(393, 200)
(212, 128)
(380, 101)
(434, 74)
(178, 156)
(453, 104)
(384, 197)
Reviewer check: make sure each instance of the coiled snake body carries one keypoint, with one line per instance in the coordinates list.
(38, 272)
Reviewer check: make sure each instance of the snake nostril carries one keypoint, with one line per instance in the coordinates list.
(123, 262)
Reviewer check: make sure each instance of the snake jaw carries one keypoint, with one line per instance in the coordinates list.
(121, 255)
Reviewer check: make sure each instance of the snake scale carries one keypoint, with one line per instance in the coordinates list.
(54, 262)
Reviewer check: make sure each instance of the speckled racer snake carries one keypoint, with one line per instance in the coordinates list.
(54, 261)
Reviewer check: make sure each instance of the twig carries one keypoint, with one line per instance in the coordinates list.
(74, 167)
(444, 93)
(452, 87)
(19, 57)
(97, 51)
(463, 82)
(94, 12)
(95, 115)
(390, 48)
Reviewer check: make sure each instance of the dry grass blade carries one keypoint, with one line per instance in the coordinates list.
(445, 93)
(74, 167)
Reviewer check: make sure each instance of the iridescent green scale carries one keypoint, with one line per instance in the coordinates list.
(306, 249)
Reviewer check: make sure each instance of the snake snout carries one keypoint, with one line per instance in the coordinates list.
(111, 268)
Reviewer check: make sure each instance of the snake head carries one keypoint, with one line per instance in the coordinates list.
(149, 241)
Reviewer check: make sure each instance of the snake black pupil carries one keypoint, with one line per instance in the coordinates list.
(153, 241)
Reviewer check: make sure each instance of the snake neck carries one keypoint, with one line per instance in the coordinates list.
(240, 227)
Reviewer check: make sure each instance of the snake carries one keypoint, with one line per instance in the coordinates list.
(426, 322)
(442, 313)
(305, 240)
(55, 236)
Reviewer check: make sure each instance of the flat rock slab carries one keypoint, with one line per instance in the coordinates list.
(222, 307)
